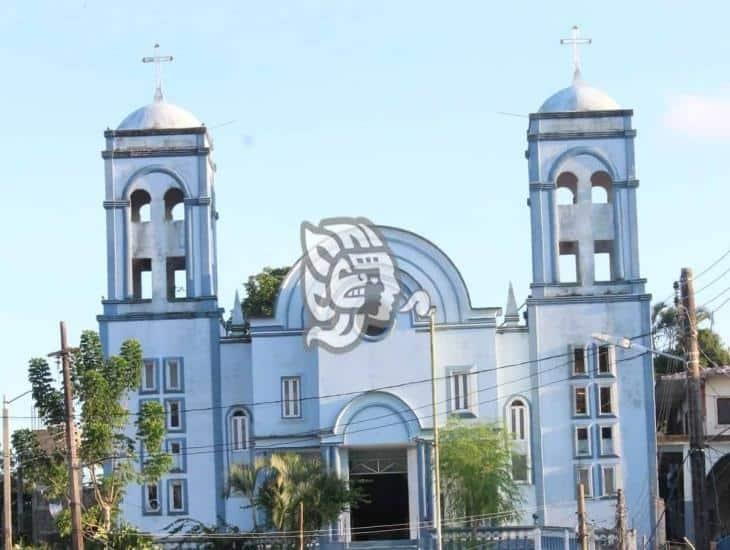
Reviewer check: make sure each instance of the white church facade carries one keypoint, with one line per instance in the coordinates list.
(235, 389)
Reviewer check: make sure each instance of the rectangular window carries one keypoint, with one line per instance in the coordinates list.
(142, 278)
(174, 415)
(460, 391)
(519, 467)
(580, 401)
(609, 481)
(602, 266)
(579, 361)
(568, 262)
(582, 441)
(173, 375)
(291, 397)
(176, 451)
(151, 498)
(583, 475)
(606, 400)
(149, 376)
(607, 441)
(603, 250)
(605, 359)
(177, 496)
(176, 278)
(723, 410)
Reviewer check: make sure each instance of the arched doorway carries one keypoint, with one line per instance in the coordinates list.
(718, 496)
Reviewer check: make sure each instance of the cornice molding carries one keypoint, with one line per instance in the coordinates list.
(583, 114)
(570, 136)
(109, 133)
(155, 152)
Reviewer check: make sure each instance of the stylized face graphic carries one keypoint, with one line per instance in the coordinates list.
(349, 281)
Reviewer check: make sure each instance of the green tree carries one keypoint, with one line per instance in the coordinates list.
(106, 452)
(292, 479)
(476, 473)
(244, 479)
(262, 290)
(667, 333)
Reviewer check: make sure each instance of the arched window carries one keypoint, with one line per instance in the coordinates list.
(566, 188)
(518, 426)
(239, 431)
(518, 421)
(601, 188)
(140, 202)
(174, 205)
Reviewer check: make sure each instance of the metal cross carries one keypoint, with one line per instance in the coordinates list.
(157, 59)
(575, 40)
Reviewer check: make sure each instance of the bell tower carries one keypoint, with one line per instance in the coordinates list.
(162, 285)
(160, 203)
(582, 193)
(595, 402)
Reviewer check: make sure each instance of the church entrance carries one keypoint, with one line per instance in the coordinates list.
(383, 477)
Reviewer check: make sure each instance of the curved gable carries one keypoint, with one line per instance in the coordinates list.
(421, 266)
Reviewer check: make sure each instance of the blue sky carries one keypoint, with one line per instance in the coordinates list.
(382, 108)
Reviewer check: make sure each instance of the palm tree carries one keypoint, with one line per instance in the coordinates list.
(666, 337)
(293, 479)
(244, 479)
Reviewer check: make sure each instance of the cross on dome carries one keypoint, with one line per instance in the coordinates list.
(575, 40)
(157, 59)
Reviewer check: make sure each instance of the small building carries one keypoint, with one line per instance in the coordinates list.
(675, 474)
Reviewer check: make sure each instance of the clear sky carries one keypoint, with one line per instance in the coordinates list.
(383, 108)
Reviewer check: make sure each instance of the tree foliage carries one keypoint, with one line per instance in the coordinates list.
(476, 472)
(244, 479)
(667, 338)
(261, 291)
(106, 451)
(290, 479)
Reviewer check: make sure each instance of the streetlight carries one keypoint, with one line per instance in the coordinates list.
(434, 421)
(7, 496)
(627, 343)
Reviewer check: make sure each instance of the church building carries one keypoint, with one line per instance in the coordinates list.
(235, 389)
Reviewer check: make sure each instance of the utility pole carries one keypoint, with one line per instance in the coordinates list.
(437, 467)
(77, 538)
(19, 500)
(7, 496)
(620, 520)
(694, 399)
(301, 525)
(582, 526)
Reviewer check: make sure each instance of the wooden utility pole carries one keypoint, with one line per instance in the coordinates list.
(77, 538)
(620, 520)
(582, 525)
(434, 421)
(694, 400)
(7, 496)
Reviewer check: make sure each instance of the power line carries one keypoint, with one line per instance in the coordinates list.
(223, 447)
(713, 281)
(713, 264)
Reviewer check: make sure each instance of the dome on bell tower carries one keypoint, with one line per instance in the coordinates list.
(159, 115)
(578, 97)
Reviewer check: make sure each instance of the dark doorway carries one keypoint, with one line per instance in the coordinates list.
(385, 515)
(717, 489)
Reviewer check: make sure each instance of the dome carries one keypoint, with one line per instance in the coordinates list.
(579, 97)
(159, 115)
